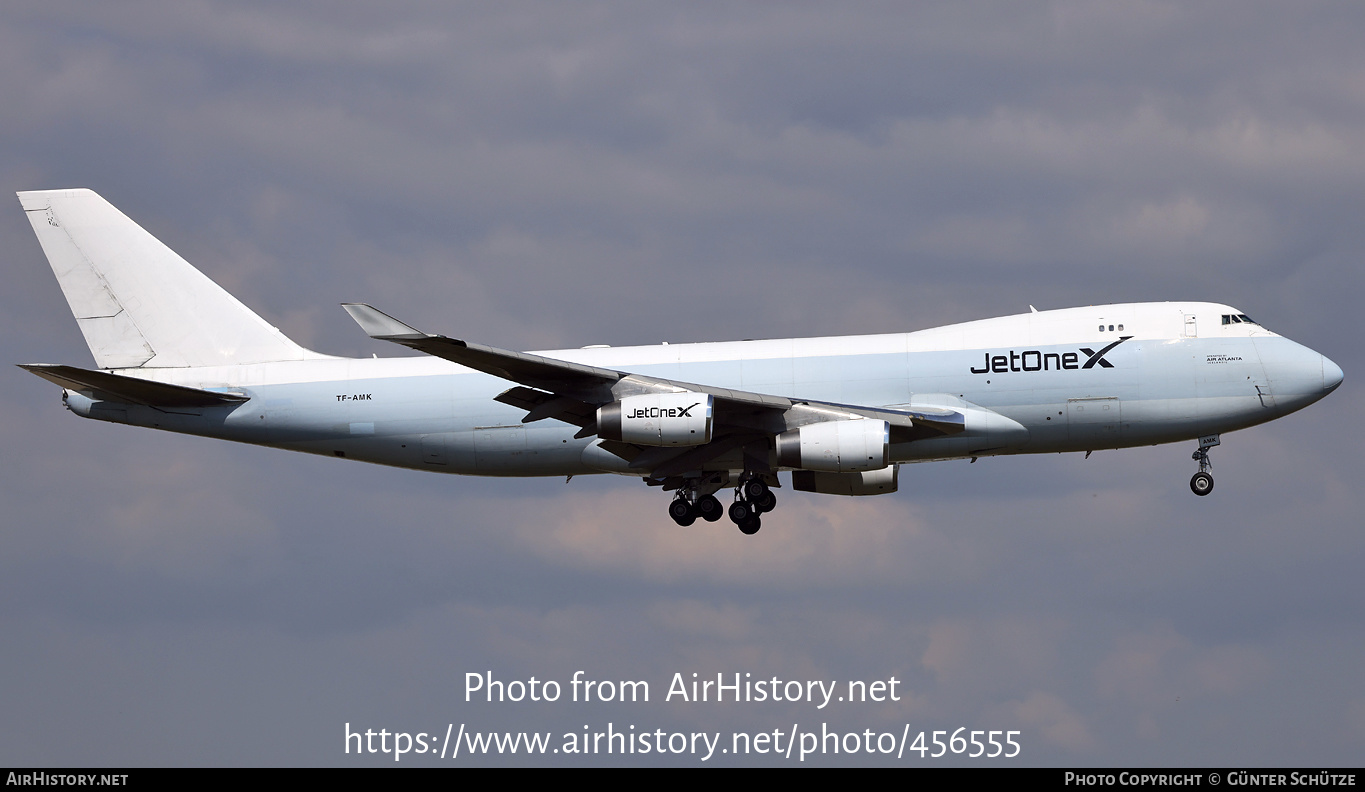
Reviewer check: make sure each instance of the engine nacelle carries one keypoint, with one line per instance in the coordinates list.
(658, 419)
(868, 482)
(836, 446)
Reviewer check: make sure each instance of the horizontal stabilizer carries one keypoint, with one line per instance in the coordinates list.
(114, 387)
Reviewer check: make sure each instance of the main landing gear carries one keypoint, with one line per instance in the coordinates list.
(1202, 482)
(687, 507)
(752, 499)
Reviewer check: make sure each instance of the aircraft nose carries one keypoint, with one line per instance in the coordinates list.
(1331, 375)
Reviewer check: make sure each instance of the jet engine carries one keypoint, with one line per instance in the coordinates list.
(658, 419)
(836, 446)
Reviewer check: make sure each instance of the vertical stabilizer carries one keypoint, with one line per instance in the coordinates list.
(137, 302)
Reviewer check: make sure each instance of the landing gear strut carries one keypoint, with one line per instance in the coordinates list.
(1202, 482)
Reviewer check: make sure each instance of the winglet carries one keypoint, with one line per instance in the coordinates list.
(378, 324)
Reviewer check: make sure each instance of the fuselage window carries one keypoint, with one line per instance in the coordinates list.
(1101, 328)
(1120, 328)
(1111, 327)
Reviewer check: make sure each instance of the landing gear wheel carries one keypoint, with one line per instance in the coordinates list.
(740, 511)
(754, 489)
(750, 526)
(682, 512)
(709, 508)
(1202, 483)
(765, 504)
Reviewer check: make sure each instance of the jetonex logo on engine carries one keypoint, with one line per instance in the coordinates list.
(662, 412)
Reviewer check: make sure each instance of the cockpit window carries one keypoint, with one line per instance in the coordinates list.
(1237, 319)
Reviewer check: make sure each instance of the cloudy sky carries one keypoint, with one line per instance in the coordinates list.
(535, 175)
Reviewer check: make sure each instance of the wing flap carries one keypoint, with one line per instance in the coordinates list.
(541, 405)
(694, 458)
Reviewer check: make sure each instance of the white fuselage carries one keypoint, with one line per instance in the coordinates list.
(1175, 371)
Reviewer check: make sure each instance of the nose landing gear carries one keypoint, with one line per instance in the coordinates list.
(1202, 482)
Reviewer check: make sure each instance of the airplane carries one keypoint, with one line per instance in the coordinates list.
(174, 351)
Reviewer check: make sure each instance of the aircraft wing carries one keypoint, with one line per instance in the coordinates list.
(572, 392)
(532, 370)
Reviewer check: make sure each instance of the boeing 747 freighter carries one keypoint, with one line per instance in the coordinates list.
(174, 351)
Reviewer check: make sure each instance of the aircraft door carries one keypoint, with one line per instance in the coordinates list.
(1094, 422)
(499, 448)
(433, 449)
